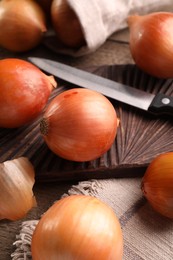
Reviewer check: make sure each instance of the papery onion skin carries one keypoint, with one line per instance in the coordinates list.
(22, 23)
(151, 43)
(78, 227)
(157, 184)
(24, 90)
(66, 24)
(17, 178)
(79, 125)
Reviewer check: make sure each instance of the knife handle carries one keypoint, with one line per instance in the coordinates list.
(161, 104)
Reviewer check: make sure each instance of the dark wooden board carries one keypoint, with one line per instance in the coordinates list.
(141, 136)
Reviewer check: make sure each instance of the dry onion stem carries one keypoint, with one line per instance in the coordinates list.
(16, 183)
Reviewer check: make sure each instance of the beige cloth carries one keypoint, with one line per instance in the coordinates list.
(100, 18)
(147, 235)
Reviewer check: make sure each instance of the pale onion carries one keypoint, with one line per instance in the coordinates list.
(157, 184)
(78, 227)
(66, 24)
(151, 43)
(22, 24)
(24, 89)
(79, 124)
(16, 183)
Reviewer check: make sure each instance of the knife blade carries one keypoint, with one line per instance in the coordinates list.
(157, 104)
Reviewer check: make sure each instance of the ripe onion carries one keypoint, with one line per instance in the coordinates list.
(79, 125)
(24, 92)
(151, 43)
(16, 183)
(157, 184)
(66, 24)
(22, 24)
(78, 227)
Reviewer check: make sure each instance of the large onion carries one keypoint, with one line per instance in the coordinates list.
(24, 91)
(78, 227)
(22, 24)
(151, 43)
(157, 184)
(79, 125)
(66, 24)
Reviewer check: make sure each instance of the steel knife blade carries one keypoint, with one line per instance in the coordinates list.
(157, 104)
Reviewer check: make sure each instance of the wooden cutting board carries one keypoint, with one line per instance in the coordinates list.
(140, 138)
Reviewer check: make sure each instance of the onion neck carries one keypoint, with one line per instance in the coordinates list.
(132, 19)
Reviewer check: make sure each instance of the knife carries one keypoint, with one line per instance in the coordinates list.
(157, 104)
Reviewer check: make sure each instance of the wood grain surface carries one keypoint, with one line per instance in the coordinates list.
(140, 136)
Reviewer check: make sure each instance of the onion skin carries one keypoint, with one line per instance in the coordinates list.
(151, 43)
(78, 227)
(79, 125)
(22, 24)
(157, 184)
(24, 92)
(17, 178)
(66, 24)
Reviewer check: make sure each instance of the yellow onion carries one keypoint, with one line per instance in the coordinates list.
(79, 124)
(24, 89)
(66, 24)
(78, 227)
(16, 183)
(22, 24)
(151, 43)
(157, 184)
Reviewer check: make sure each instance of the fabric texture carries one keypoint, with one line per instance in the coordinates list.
(101, 18)
(147, 235)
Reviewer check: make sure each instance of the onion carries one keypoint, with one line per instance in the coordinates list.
(22, 24)
(66, 24)
(79, 125)
(16, 183)
(78, 227)
(24, 92)
(151, 43)
(157, 184)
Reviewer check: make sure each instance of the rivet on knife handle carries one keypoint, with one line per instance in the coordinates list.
(161, 104)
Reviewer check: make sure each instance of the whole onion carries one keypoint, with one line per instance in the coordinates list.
(78, 227)
(22, 24)
(24, 89)
(66, 24)
(151, 38)
(79, 125)
(157, 184)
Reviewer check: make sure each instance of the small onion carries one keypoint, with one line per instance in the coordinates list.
(24, 92)
(157, 184)
(17, 178)
(79, 125)
(66, 24)
(78, 227)
(22, 24)
(151, 43)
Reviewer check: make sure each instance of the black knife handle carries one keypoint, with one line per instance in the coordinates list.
(161, 104)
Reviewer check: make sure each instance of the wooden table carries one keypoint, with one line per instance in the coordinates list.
(114, 51)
